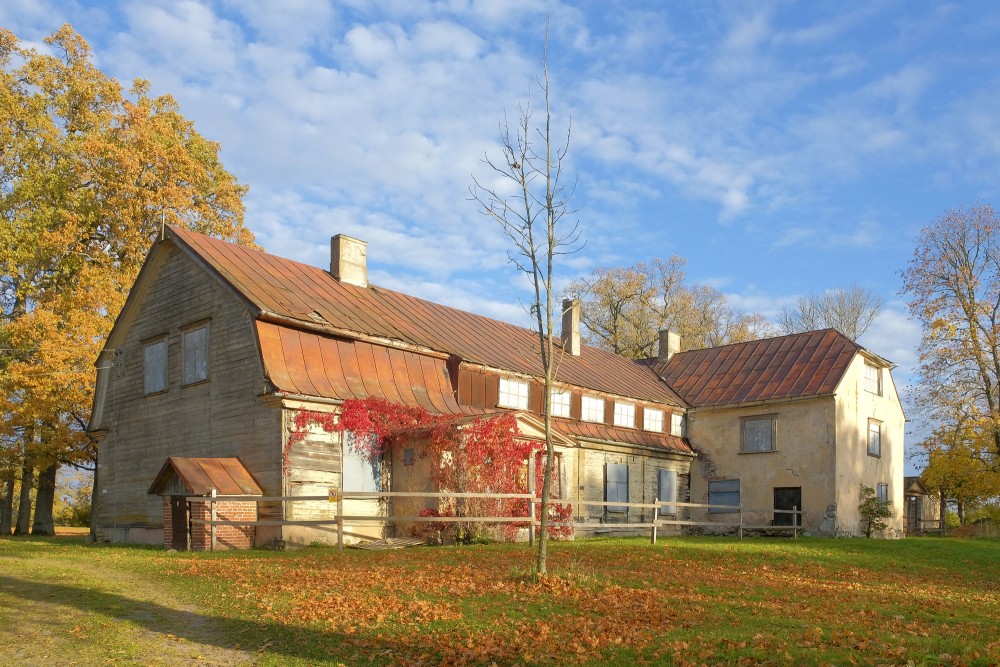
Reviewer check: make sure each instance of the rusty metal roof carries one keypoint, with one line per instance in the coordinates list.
(311, 296)
(794, 366)
(608, 433)
(228, 476)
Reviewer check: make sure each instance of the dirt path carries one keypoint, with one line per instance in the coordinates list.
(56, 610)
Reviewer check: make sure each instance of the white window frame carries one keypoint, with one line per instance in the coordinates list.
(592, 409)
(196, 356)
(873, 378)
(746, 422)
(513, 394)
(678, 424)
(874, 444)
(624, 414)
(559, 402)
(652, 420)
(154, 366)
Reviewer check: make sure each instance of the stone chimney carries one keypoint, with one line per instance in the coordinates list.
(571, 327)
(670, 344)
(349, 260)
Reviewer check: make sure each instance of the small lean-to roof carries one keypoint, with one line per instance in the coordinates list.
(787, 367)
(198, 476)
(294, 293)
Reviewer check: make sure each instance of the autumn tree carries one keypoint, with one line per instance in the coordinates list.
(529, 203)
(89, 173)
(849, 310)
(953, 285)
(624, 308)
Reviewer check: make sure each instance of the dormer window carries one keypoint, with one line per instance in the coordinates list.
(652, 420)
(678, 425)
(624, 414)
(559, 403)
(513, 394)
(592, 409)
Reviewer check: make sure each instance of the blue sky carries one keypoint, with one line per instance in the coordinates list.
(783, 148)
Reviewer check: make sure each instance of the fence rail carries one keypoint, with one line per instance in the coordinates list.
(659, 519)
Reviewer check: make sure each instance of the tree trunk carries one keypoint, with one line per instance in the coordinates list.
(6, 506)
(942, 511)
(44, 499)
(24, 502)
(961, 512)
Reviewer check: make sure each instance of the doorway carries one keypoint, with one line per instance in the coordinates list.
(787, 498)
(179, 523)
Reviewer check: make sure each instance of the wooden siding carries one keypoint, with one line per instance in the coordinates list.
(222, 417)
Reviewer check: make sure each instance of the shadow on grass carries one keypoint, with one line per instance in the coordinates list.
(252, 636)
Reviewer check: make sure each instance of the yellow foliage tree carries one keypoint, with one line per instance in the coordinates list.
(89, 173)
(624, 308)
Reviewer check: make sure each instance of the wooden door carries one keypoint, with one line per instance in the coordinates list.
(179, 523)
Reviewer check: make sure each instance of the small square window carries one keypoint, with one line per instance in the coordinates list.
(758, 434)
(195, 345)
(559, 403)
(874, 437)
(592, 409)
(873, 379)
(678, 424)
(624, 414)
(513, 394)
(154, 366)
(652, 420)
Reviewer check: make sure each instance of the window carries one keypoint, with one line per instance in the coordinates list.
(758, 434)
(667, 491)
(882, 492)
(154, 366)
(194, 342)
(361, 471)
(677, 424)
(874, 437)
(624, 414)
(873, 379)
(616, 486)
(559, 403)
(652, 420)
(408, 456)
(592, 409)
(513, 394)
(555, 483)
(723, 492)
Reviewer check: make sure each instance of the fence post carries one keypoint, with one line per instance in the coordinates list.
(212, 517)
(656, 512)
(740, 529)
(795, 522)
(340, 520)
(531, 522)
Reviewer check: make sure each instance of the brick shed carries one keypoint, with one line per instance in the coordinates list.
(181, 477)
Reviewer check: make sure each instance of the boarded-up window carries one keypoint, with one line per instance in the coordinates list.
(616, 486)
(195, 345)
(667, 490)
(362, 472)
(758, 434)
(154, 366)
(882, 492)
(723, 495)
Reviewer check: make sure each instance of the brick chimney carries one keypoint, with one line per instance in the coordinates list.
(349, 260)
(571, 327)
(670, 344)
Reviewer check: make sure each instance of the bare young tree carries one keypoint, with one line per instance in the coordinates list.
(849, 310)
(529, 205)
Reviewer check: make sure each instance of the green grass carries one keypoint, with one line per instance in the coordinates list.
(609, 601)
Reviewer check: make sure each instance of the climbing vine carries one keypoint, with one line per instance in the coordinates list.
(465, 454)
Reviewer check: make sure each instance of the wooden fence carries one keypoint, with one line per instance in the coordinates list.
(658, 518)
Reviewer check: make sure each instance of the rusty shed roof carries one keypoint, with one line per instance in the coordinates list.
(228, 476)
(794, 366)
(311, 296)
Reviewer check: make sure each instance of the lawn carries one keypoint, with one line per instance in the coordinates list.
(613, 601)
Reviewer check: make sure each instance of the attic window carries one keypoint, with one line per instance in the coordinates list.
(592, 409)
(559, 403)
(624, 414)
(678, 425)
(873, 379)
(652, 420)
(513, 394)
(195, 344)
(154, 366)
